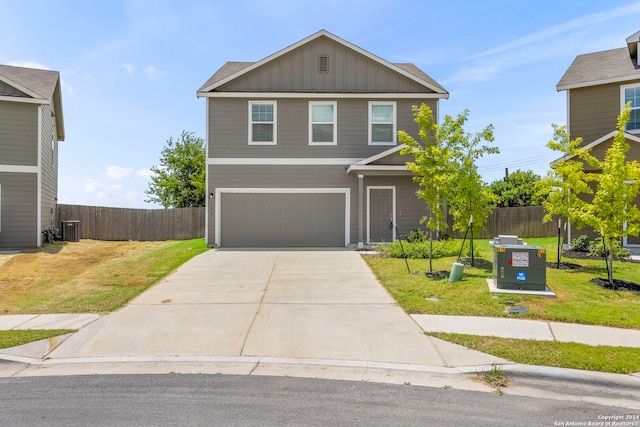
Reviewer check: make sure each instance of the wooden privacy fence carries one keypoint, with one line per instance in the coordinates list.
(525, 221)
(103, 223)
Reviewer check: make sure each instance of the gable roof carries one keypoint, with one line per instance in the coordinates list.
(628, 136)
(369, 164)
(40, 86)
(591, 69)
(233, 70)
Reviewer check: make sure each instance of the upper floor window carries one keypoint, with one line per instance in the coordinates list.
(322, 123)
(262, 123)
(632, 93)
(382, 123)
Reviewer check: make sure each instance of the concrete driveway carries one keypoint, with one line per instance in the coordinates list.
(274, 303)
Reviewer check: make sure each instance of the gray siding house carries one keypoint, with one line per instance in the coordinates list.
(31, 125)
(302, 147)
(598, 86)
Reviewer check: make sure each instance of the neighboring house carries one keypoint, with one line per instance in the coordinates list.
(302, 147)
(31, 125)
(598, 86)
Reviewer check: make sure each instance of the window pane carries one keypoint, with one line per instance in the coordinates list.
(381, 133)
(262, 112)
(262, 133)
(382, 113)
(322, 113)
(634, 120)
(322, 133)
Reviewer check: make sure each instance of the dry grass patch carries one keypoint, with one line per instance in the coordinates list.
(87, 276)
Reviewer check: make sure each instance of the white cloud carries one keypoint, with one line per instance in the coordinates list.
(150, 71)
(30, 64)
(144, 173)
(574, 24)
(556, 41)
(129, 68)
(118, 173)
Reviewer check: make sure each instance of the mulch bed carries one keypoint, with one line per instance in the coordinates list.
(618, 285)
(585, 255)
(564, 265)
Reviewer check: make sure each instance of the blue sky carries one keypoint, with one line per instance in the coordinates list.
(131, 68)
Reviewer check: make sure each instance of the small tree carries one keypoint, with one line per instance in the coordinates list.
(567, 180)
(431, 167)
(469, 197)
(613, 211)
(444, 167)
(179, 180)
(563, 185)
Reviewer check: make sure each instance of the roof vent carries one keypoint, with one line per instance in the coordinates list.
(323, 64)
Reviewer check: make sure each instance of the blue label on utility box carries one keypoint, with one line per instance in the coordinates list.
(521, 276)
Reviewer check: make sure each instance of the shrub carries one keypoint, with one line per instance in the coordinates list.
(420, 249)
(581, 244)
(417, 236)
(597, 249)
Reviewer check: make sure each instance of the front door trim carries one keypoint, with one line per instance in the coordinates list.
(393, 207)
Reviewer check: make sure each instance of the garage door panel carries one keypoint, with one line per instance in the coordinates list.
(282, 219)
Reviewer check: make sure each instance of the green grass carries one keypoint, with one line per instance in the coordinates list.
(619, 360)
(14, 338)
(578, 300)
(88, 276)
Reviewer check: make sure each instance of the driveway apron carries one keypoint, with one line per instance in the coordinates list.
(316, 304)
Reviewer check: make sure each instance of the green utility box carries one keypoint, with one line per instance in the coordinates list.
(517, 265)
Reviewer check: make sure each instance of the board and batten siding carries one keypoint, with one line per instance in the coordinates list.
(229, 128)
(298, 71)
(18, 134)
(594, 111)
(18, 204)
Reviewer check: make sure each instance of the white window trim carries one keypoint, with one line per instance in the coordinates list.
(393, 207)
(622, 103)
(334, 123)
(395, 122)
(275, 123)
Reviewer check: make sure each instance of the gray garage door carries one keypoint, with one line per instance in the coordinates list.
(282, 219)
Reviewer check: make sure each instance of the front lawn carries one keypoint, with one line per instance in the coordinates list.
(578, 300)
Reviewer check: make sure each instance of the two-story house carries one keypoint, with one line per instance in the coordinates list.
(302, 147)
(31, 125)
(598, 86)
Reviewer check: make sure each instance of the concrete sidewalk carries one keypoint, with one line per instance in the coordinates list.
(472, 325)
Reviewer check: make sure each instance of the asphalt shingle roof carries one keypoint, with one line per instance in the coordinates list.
(599, 67)
(42, 82)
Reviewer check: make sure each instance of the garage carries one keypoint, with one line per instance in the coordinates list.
(282, 218)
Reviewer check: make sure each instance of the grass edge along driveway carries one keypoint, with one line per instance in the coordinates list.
(84, 277)
(578, 301)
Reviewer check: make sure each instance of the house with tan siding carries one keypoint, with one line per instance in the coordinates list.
(598, 85)
(31, 125)
(302, 147)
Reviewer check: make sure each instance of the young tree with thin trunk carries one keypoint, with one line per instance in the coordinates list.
(444, 168)
(613, 211)
(431, 167)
